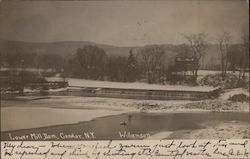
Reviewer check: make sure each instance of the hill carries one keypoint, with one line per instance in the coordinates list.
(64, 48)
(67, 49)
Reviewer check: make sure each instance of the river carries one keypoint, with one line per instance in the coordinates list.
(27, 120)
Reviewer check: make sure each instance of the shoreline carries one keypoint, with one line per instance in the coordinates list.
(150, 106)
(219, 130)
(90, 108)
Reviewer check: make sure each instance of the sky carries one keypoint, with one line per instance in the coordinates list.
(122, 23)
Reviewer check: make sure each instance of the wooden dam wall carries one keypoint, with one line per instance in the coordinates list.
(143, 94)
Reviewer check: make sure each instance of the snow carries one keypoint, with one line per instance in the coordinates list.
(26, 90)
(135, 85)
(57, 90)
(159, 135)
(139, 85)
(231, 92)
(212, 72)
(35, 70)
(220, 130)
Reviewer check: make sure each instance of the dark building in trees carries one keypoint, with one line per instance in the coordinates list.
(184, 64)
(182, 70)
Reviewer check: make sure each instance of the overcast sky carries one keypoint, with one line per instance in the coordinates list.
(121, 23)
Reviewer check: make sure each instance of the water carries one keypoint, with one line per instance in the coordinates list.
(110, 126)
(34, 116)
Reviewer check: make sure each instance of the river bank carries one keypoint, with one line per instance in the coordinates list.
(66, 102)
(219, 130)
(212, 130)
(69, 110)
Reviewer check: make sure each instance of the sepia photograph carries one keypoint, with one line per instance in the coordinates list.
(124, 70)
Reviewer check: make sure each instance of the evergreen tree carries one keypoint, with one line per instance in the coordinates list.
(131, 67)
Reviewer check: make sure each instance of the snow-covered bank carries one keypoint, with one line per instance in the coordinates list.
(212, 130)
(49, 90)
(230, 92)
(160, 135)
(219, 130)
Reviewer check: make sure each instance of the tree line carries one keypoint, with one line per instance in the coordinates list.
(148, 63)
(17, 59)
(91, 62)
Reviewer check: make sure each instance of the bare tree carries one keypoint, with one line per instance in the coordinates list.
(183, 51)
(197, 43)
(245, 59)
(224, 46)
(152, 61)
(91, 59)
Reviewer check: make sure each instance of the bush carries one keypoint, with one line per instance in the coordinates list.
(30, 77)
(231, 81)
(239, 98)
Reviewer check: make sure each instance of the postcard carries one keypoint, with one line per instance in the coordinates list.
(124, 79)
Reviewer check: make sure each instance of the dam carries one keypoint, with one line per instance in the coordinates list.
(148, 94)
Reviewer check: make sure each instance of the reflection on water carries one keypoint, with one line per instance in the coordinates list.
(108, 127)
(151, 123)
